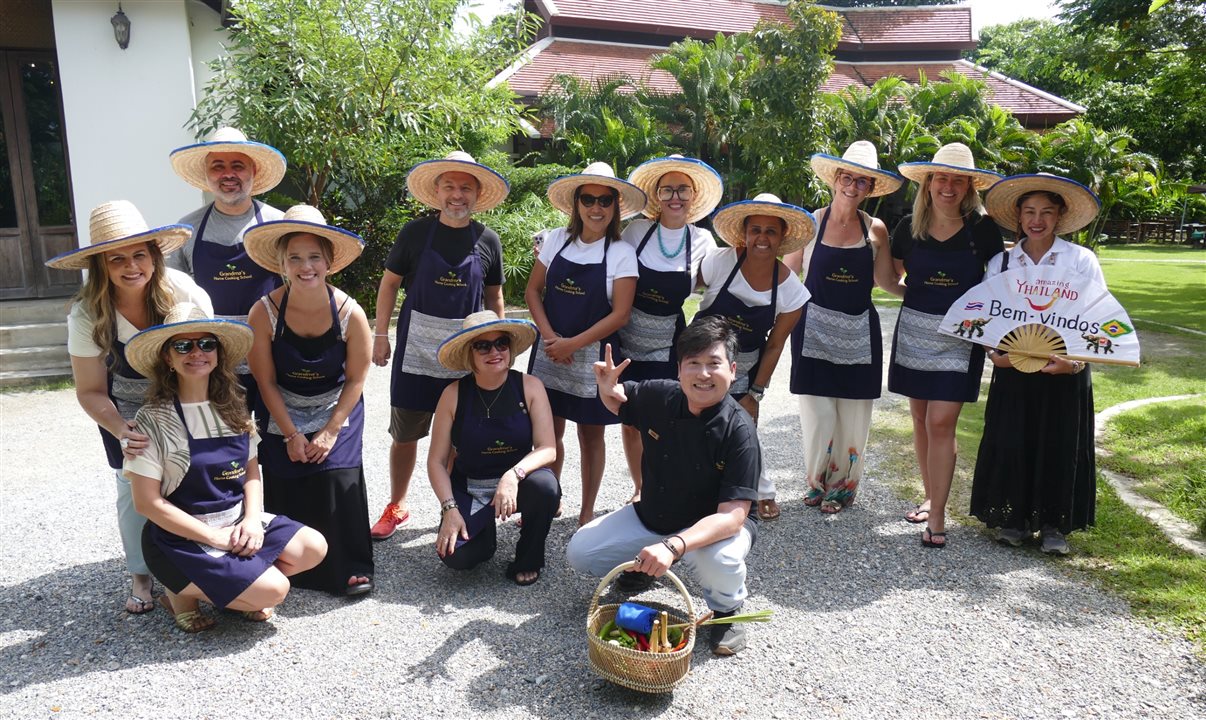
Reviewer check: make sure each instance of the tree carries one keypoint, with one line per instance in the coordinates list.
(609, 120)
(887, 3)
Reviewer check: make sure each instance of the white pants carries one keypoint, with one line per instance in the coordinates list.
(835, 436)
(598, 547)
(129, 524)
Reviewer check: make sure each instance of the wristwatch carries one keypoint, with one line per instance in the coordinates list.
(520, 473)
(756, 392)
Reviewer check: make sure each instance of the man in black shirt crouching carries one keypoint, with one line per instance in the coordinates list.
(701, 466)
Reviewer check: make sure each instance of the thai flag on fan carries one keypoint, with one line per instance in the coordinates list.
(974, 306)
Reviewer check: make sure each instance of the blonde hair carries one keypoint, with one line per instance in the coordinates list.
(325, 246)
(225, 392)
(923, 208)
(96, 297)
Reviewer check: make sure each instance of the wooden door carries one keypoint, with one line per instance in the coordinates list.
(36, 209)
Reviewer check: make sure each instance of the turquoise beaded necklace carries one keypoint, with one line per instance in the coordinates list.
(682, 243)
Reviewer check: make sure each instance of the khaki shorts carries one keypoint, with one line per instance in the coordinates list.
(409, 425)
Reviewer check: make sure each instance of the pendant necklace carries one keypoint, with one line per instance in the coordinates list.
(488, 405)
(682, 243)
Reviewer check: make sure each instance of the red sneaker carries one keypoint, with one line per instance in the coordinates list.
(392, 519)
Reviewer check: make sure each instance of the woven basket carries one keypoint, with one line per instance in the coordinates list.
(635, 669)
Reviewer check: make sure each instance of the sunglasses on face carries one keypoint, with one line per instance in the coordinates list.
(484, 347)
(684, 192)
(205, 345)
(861, 184)
(604, 201)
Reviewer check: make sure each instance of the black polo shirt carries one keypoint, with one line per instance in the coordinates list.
(691, 464)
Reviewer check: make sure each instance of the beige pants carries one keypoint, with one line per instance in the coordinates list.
(835, 433)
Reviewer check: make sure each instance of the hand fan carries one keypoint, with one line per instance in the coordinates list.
(1035, 312)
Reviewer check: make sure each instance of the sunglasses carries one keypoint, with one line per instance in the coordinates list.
(604, 201)
(205, 345)
(861, 184)
(484, 347)
(684, 192)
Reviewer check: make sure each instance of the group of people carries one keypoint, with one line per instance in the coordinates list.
(226, 373)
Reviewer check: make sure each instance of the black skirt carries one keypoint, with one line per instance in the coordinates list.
(335, 503)
(1036, 466)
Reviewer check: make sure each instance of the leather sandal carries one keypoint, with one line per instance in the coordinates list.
(190, 621)
(258, 615)
(768, 509)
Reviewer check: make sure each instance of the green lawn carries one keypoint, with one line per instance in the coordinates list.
(1161, 447)
(1163, 288)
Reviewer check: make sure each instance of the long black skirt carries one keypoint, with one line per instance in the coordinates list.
(1036, 465)
(335, 503)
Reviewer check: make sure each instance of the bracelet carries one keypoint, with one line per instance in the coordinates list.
(290, 438)
(381, 334)
(449, 504)
(670, 546)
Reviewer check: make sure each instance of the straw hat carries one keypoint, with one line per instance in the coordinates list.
(561, 190)
(708, 186)
(1002, 199)
(954, 158)
(117, 224)
(189, 161)
(421, 180)
(454, 352)
(260, 240)
(730, 226)
(142, 352)
(860, 158)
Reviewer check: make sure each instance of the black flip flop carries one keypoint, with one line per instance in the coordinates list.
(927, 539)
(363, 588)
(914, 515)
(525, 583)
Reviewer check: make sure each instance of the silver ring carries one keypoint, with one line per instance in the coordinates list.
(125, 443)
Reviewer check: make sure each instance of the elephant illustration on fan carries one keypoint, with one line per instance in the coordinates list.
(971, 328)
(1099, 344)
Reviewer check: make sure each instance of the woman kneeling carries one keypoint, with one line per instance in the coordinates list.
(198, 483)
(500, 424)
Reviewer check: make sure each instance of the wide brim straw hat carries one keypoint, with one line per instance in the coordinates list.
(709, 188)
(261, 240)
(142, 352)
(189, 161)
(561, 190)
(117, 224)
(492, 187)
(454, 351)
(1002, 199)
(955, 159)
(729, 222)
(861, 158)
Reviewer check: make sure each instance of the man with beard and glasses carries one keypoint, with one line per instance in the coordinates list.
(700, 466)
(233, 170)
(449, 267)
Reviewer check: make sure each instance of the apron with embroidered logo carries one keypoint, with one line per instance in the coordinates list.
(212, 492)
(657, 318)
(925, 364)
(837, 350)
(575, 298)
(440, 297)
(128, 391)
(752, 323)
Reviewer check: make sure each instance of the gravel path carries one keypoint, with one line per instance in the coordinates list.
(867, 622)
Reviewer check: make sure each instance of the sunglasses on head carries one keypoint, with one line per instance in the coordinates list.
(861, 184)
(485, 346)
(205, 345)
(590, 200)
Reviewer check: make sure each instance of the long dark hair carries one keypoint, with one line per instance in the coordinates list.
(613, 228)
(225, 392)
(1055, 198)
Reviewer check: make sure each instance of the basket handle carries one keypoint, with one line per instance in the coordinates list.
(594, 600)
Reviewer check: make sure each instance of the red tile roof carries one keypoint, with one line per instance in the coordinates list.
(590, 60)
(929, 27)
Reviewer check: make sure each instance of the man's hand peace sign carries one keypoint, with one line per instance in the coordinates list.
(607, 377)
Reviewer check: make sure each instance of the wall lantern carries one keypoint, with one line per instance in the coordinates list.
(121, 28)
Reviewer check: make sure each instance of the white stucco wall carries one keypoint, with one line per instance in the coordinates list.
(207, 37)
(125, 110)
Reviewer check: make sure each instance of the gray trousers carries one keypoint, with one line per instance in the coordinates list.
(129, 524)
(617, 537)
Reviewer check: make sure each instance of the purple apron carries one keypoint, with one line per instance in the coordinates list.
(128, 391)
(310, 388)
(837, 349)
(439, 299)
(234, 282)
(657, 317)
(575, 298)
(927, 365)
(212, 492)
(753, 326)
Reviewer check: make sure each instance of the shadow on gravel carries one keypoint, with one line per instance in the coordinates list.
(70, 623)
